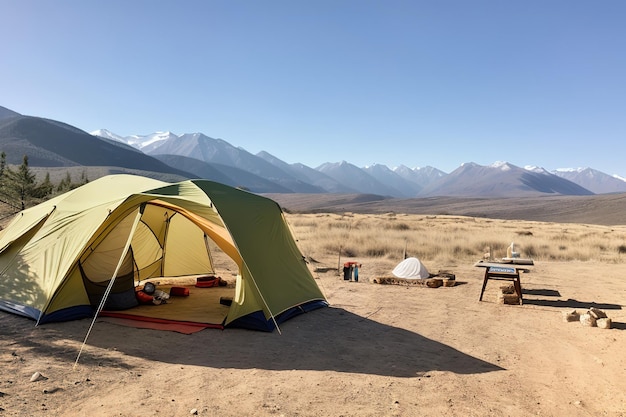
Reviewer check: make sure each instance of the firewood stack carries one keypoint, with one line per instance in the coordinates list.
(507, 295)
(594, 317)
(441, 279)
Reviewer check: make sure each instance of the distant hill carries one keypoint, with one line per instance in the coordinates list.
(420, 176)
(321, 182)
(358, 179)
(218, 151)
(500, 180)
(593, 180)
(6, 113)
(406, 187)
(49, 143)
(224, 174)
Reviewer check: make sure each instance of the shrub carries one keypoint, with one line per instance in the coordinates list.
(530, 251)
(376, 252)
(400, 226)
(524, 233)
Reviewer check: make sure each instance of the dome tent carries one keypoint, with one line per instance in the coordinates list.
(410, 268)
(56, 258)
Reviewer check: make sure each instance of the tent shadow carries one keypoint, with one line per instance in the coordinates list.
(47, 341)
(328, 339)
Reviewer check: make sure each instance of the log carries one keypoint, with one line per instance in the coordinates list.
(429, 282)
(449, 282)
(604, 323)
(596, 313)
(508, 298)
(444, 274)
(508, 289)
(570, 316)
(434, 282)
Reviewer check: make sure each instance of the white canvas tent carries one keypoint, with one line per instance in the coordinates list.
(410, 268)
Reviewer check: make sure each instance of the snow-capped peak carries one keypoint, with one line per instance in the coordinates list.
(579, 169)
(103, 133)
(503, 165)
(376, 166)
(136, 141)
(142, 141)
(534, 168)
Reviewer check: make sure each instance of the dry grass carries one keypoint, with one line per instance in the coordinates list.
(447, 239)
(452, 239)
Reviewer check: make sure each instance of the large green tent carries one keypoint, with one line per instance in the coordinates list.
(60, 258)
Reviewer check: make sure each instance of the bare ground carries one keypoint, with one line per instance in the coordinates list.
(379, 350)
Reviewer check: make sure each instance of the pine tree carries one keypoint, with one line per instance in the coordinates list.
(21, 183)
(65, 184)
(3, 163)
(6, 194)
(83, 179)
(44, 189)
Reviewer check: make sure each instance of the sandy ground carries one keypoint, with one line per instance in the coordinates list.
(379, 350)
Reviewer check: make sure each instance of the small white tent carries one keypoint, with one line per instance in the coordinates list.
(410, 268)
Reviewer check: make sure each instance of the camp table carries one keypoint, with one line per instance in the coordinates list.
(507, 270)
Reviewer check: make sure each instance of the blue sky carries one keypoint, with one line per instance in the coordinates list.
(439, 83)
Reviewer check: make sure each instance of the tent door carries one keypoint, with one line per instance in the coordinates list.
(122, 295)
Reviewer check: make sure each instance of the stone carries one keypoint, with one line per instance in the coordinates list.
(37, 377)
(604, 323)
(588, 320)
(51, 390)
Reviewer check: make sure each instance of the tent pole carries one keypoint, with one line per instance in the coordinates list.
(112, 281)
(164, 249)
(208, 251)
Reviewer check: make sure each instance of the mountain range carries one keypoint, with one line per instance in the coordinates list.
(54, 145)
(500, 179)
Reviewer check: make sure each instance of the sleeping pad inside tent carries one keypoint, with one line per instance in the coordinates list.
(60, 259)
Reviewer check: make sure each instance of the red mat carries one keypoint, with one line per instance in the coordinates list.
(154, 323)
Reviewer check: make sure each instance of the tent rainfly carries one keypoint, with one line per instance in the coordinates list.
(60, 258)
